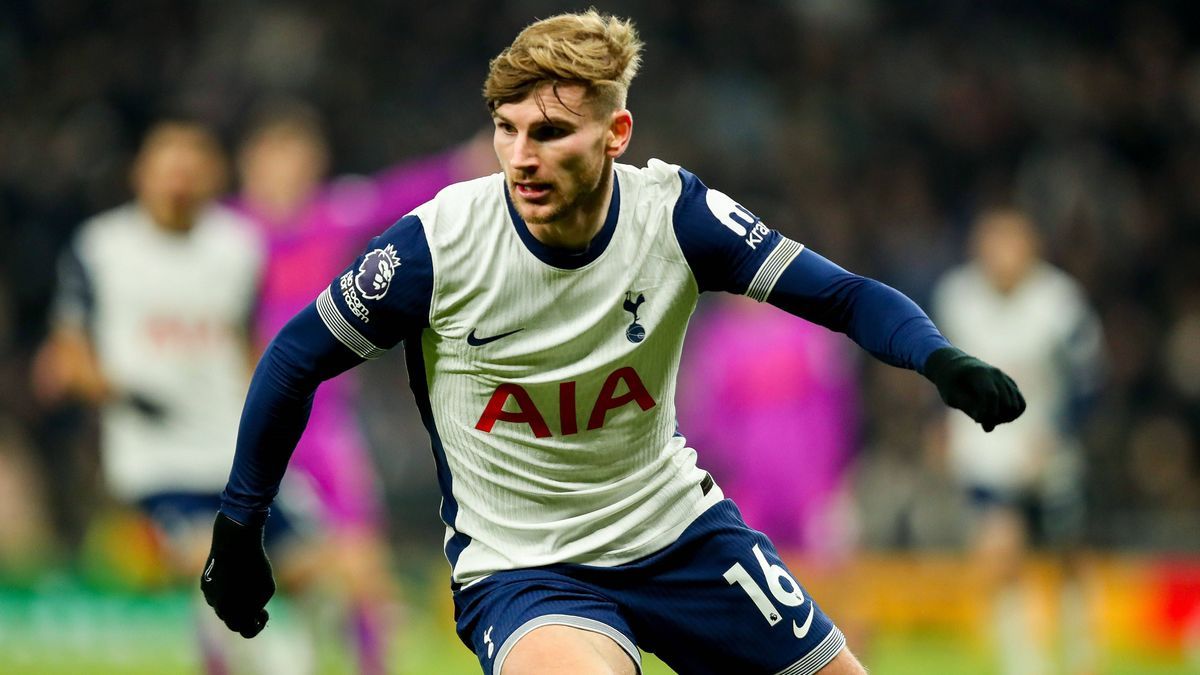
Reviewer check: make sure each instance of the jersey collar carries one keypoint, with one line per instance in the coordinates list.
(563, 258)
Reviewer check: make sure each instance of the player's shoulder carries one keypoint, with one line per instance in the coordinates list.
(228, 230)
(228, 221)
(1058, 286)
(114, 227)
(113, 220)
(461, 207)
(966, 279)
(656, 180)
(464, 198)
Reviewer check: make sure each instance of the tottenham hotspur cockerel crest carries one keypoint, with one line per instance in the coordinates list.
(376, 272)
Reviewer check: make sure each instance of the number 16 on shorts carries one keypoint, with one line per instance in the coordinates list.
(776, 577)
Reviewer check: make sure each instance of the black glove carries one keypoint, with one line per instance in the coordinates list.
(982, 391)
(237, 580)
(148, 407)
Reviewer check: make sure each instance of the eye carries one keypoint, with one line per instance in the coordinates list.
(506, 127)
(549, 133)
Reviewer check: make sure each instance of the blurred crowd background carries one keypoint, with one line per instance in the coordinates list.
(872, 131)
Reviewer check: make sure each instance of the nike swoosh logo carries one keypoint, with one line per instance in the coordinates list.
(801, 631)
(208, 572)
(478, 341)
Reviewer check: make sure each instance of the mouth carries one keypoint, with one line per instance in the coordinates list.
(531, 191)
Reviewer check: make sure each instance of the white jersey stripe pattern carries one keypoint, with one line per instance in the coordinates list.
(589, 371)
(547, 378)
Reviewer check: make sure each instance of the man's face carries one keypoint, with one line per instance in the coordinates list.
(1006, 247)
(282, 165)
(177, 172)
(553, 158)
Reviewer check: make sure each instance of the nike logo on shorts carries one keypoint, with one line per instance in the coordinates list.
(801, 631)
(479, 341)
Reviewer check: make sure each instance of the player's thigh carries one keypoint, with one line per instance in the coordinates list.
(522, 614)
(720, 600)
(564, 649)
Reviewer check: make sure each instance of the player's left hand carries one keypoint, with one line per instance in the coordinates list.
(237, 581)
(982, 391)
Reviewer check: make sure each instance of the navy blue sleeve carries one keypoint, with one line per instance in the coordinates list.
(724, 243)
(731, 249)
(75, 298)
(301, 356)
(385, 294)
(882, 320)
(380, 299)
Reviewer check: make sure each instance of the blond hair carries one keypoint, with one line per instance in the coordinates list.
(598, 51)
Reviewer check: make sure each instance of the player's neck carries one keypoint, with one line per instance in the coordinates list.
(576, 229)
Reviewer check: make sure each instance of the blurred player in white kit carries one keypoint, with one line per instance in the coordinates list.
(150, 324)
(1024, 480)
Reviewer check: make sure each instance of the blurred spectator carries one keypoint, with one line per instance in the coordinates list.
(1024, 480)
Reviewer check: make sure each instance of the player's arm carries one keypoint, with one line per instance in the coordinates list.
(732, 250)
(380, 299)
(65, 365)
(1082, 361)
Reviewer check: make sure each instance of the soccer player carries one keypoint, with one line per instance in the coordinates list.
(151, 324)
(1025, 482)
(310, 228)
(543, 310)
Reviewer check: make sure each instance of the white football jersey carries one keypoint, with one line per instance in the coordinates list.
(167, 314)
(546, 379)
(1044, 335)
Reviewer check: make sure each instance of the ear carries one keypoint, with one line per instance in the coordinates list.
(620, 130)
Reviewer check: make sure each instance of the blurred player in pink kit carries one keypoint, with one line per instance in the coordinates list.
(777, 421)
(309, 227)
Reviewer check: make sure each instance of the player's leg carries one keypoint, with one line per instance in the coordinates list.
(183, 522)
(543, 621)
(563, 649)
(1062, 519)
(720, 600)
(333, 467)
(999, 552)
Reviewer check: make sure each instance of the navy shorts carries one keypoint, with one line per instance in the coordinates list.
(1052, 520)
(177, 514)
(717, 600)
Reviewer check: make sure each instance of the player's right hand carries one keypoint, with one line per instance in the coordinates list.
(236, 580)
(979, 389)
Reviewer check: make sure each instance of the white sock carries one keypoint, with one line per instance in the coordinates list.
(1020, 649)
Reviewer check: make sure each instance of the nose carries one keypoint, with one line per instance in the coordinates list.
(524, 154)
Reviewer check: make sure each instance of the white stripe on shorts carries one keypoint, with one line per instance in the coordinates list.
(819, 657)
(574, 622)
